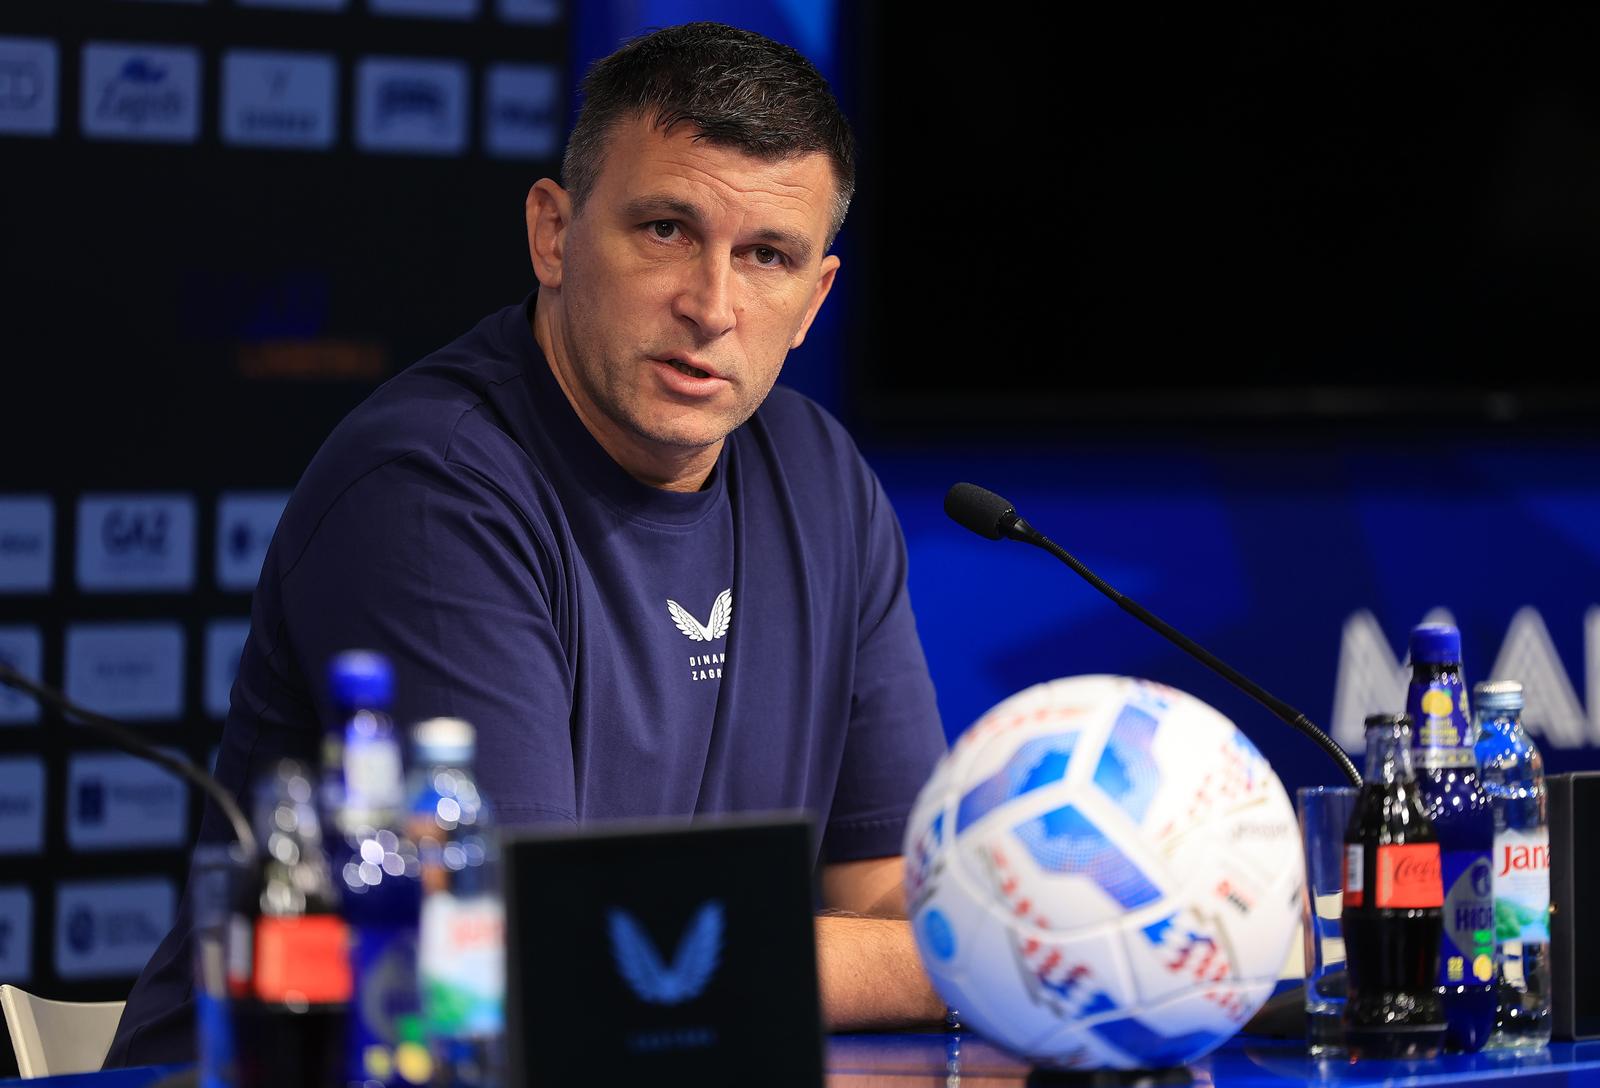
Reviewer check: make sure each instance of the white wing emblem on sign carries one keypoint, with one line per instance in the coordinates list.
(713, 628)
(640, 965)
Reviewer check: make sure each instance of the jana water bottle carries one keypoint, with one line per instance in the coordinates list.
(1513, 774)
(379, 876)
(461, 959)
(1447, 773)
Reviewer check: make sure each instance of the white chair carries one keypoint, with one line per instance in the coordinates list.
(55, 1037)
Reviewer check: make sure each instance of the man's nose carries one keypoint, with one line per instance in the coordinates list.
(706, 297)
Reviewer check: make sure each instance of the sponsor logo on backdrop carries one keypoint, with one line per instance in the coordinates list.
(224, 644)
(279, 99)
(23, 650)
(1372, 679)
(126, 670)
(27, 543)
(16, 934)
(427, 9)
(107, 928)
(115, 800)
(141, 92)
(136, 543)
(411, 105)
(28, 70)
(694, 961)
(245, 524)
(520, 111)
(21, 805)
(532, 12)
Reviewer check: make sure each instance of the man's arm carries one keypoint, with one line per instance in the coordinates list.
(867, 964)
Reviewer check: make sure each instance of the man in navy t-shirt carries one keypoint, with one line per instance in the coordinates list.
(593, 528)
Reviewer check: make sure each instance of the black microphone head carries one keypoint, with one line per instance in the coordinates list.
(979, 509)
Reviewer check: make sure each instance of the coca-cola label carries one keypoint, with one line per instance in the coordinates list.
(1467, 952)
(302, 960)
(1408, 876)
(1522, 885)
(1354, 878)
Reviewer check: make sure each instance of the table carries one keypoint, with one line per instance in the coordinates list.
(966, 1061)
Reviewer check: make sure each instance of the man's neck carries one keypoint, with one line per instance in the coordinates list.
(669, 468)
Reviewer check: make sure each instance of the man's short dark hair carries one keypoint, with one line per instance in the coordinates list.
(736, 88)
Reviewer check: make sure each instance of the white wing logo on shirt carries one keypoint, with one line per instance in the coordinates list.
(713, 628)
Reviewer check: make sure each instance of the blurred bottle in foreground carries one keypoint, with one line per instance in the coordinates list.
(461, 962)
(1513, 774)
(288, 965)
(379, 877)
(1458, 806)
(1392, 898)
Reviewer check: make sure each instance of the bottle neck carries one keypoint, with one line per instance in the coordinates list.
(1425, 672)
(1389, 753)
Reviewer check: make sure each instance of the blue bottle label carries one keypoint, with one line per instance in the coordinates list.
(1466, 956)
(1441, 737)
(386, 1042)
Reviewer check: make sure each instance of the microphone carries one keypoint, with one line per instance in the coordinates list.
(130, 742)
(991, 516)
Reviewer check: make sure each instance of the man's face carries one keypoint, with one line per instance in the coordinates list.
(687, 276)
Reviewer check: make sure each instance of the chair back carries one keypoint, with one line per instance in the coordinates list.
(55, 1037)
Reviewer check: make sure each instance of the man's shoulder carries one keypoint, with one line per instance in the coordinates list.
(804, 450)
(422, 409)
(450, 408)
(798, 426)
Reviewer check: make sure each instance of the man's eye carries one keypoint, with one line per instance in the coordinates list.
(766, 255)
(664, 229)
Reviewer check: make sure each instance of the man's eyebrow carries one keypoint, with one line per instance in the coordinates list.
(797, 246)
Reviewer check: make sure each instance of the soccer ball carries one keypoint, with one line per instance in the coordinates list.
(1104, 873)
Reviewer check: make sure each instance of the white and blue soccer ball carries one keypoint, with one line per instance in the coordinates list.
(1104, 873)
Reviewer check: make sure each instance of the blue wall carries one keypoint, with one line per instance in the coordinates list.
(1266, 551)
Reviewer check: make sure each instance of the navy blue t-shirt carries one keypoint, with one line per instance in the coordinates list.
(623, 651)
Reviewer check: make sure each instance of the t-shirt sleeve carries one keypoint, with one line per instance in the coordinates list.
(429, 562)
(895, 738)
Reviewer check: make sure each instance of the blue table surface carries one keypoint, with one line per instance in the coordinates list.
(957, 1060)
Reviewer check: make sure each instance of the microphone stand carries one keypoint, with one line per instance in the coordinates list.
(989, 515)
(125, 739)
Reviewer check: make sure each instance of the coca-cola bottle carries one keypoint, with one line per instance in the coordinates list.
(289, 967)
(1392, 898)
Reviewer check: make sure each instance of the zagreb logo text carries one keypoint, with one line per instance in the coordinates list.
(639, 964)
(706, 666)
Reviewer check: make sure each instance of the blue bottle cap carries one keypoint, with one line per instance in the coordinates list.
(361, 680)
(1498, 695)
(1435, 644)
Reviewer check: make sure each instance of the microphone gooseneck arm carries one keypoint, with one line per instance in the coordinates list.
(989, 515)
(125, 739)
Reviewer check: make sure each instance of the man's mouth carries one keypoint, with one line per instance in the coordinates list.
(684, 368)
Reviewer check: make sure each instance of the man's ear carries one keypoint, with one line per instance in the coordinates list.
(548, 210)
(830, 266)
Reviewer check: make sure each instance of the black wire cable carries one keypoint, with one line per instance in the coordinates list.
(125, 739)
(1261, 695)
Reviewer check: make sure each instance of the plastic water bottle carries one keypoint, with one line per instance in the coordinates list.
(1461, 813)
(1513, 774)
(380, 878)
(461, 961)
